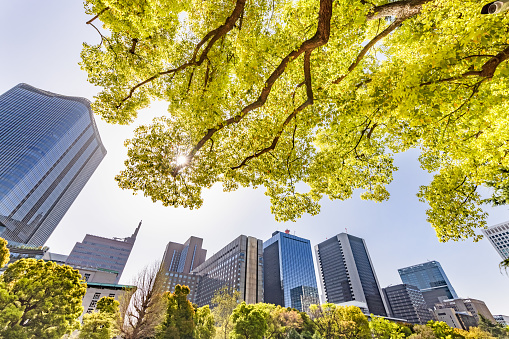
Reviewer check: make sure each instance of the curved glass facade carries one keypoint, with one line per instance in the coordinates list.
(49, 148)
(289, 273)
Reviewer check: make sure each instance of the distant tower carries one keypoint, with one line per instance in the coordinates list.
(288, 272)
(431, 280)
(103, 253)
(49, 148)
(347, 274)
(498, 236)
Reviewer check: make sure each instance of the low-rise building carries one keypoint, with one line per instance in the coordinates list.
(473, 306)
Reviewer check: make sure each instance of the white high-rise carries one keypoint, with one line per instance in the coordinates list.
(498, 235)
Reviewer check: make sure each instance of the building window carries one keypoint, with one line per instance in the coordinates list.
(112, 295)
(96, 295)
(93, 303)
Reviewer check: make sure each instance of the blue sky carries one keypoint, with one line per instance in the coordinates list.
(40, 45)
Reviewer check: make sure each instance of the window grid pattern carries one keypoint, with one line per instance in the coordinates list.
(49, 148)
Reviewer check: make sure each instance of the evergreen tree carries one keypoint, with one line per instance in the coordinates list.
(178, 321)
(40, 300)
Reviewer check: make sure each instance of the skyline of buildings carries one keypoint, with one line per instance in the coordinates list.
(289, 271)
(49, 148)
(347, 273)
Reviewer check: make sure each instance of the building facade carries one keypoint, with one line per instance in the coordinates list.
(347, 273)
(461, 320)
(17, 252)
(49, 148)
(431, 280)
(501, 319)
(474, 307)
(104, 253)
(406, 302)
(237, 266)
(96, 291)
(498, 235)
(178, 262)
(288, 273)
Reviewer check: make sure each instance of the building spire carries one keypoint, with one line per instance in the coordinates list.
(132, 238)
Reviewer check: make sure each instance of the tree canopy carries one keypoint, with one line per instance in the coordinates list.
(40, 299)
(325, 93)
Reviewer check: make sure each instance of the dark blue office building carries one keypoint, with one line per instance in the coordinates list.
(431, 280)
(347, 274)
(49, 148)
(288, 272)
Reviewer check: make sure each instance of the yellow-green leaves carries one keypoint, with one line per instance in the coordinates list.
(436, 79)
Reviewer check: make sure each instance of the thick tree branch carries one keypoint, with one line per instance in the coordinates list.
(133, 47)
(487, 71)
(211, 38)
(398, 9)
(320, 38)
(309, 101)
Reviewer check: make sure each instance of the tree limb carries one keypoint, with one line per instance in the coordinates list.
(309, 101)
(95, 17)
(398, 9)
(211, 37)
(320, 38)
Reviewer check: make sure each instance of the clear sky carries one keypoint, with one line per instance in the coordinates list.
(40, 45)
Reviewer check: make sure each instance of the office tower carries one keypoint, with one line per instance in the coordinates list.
(178, 262)
(238, 266)
(103, 253)
(183, 258)
(498, 236)
(96, 291)
(288, 272)
(406, 302)
(347, 273)
(474, 307)
(431, 280)
(49, 148)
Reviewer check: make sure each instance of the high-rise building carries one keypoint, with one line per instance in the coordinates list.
(237, 266)
(474, 307)
(178, 262)
(347, 273)
(103, 253)
(49, 148)
(498, 235)
(183, 258)
(288, 272)
(406, 302)
(431, 280)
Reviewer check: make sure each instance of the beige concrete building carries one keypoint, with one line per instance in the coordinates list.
(474, 307)
(238, 266)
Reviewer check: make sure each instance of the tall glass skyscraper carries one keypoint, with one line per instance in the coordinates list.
(49, 148)
(347, 273)
(431, 280)
(288, 272)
